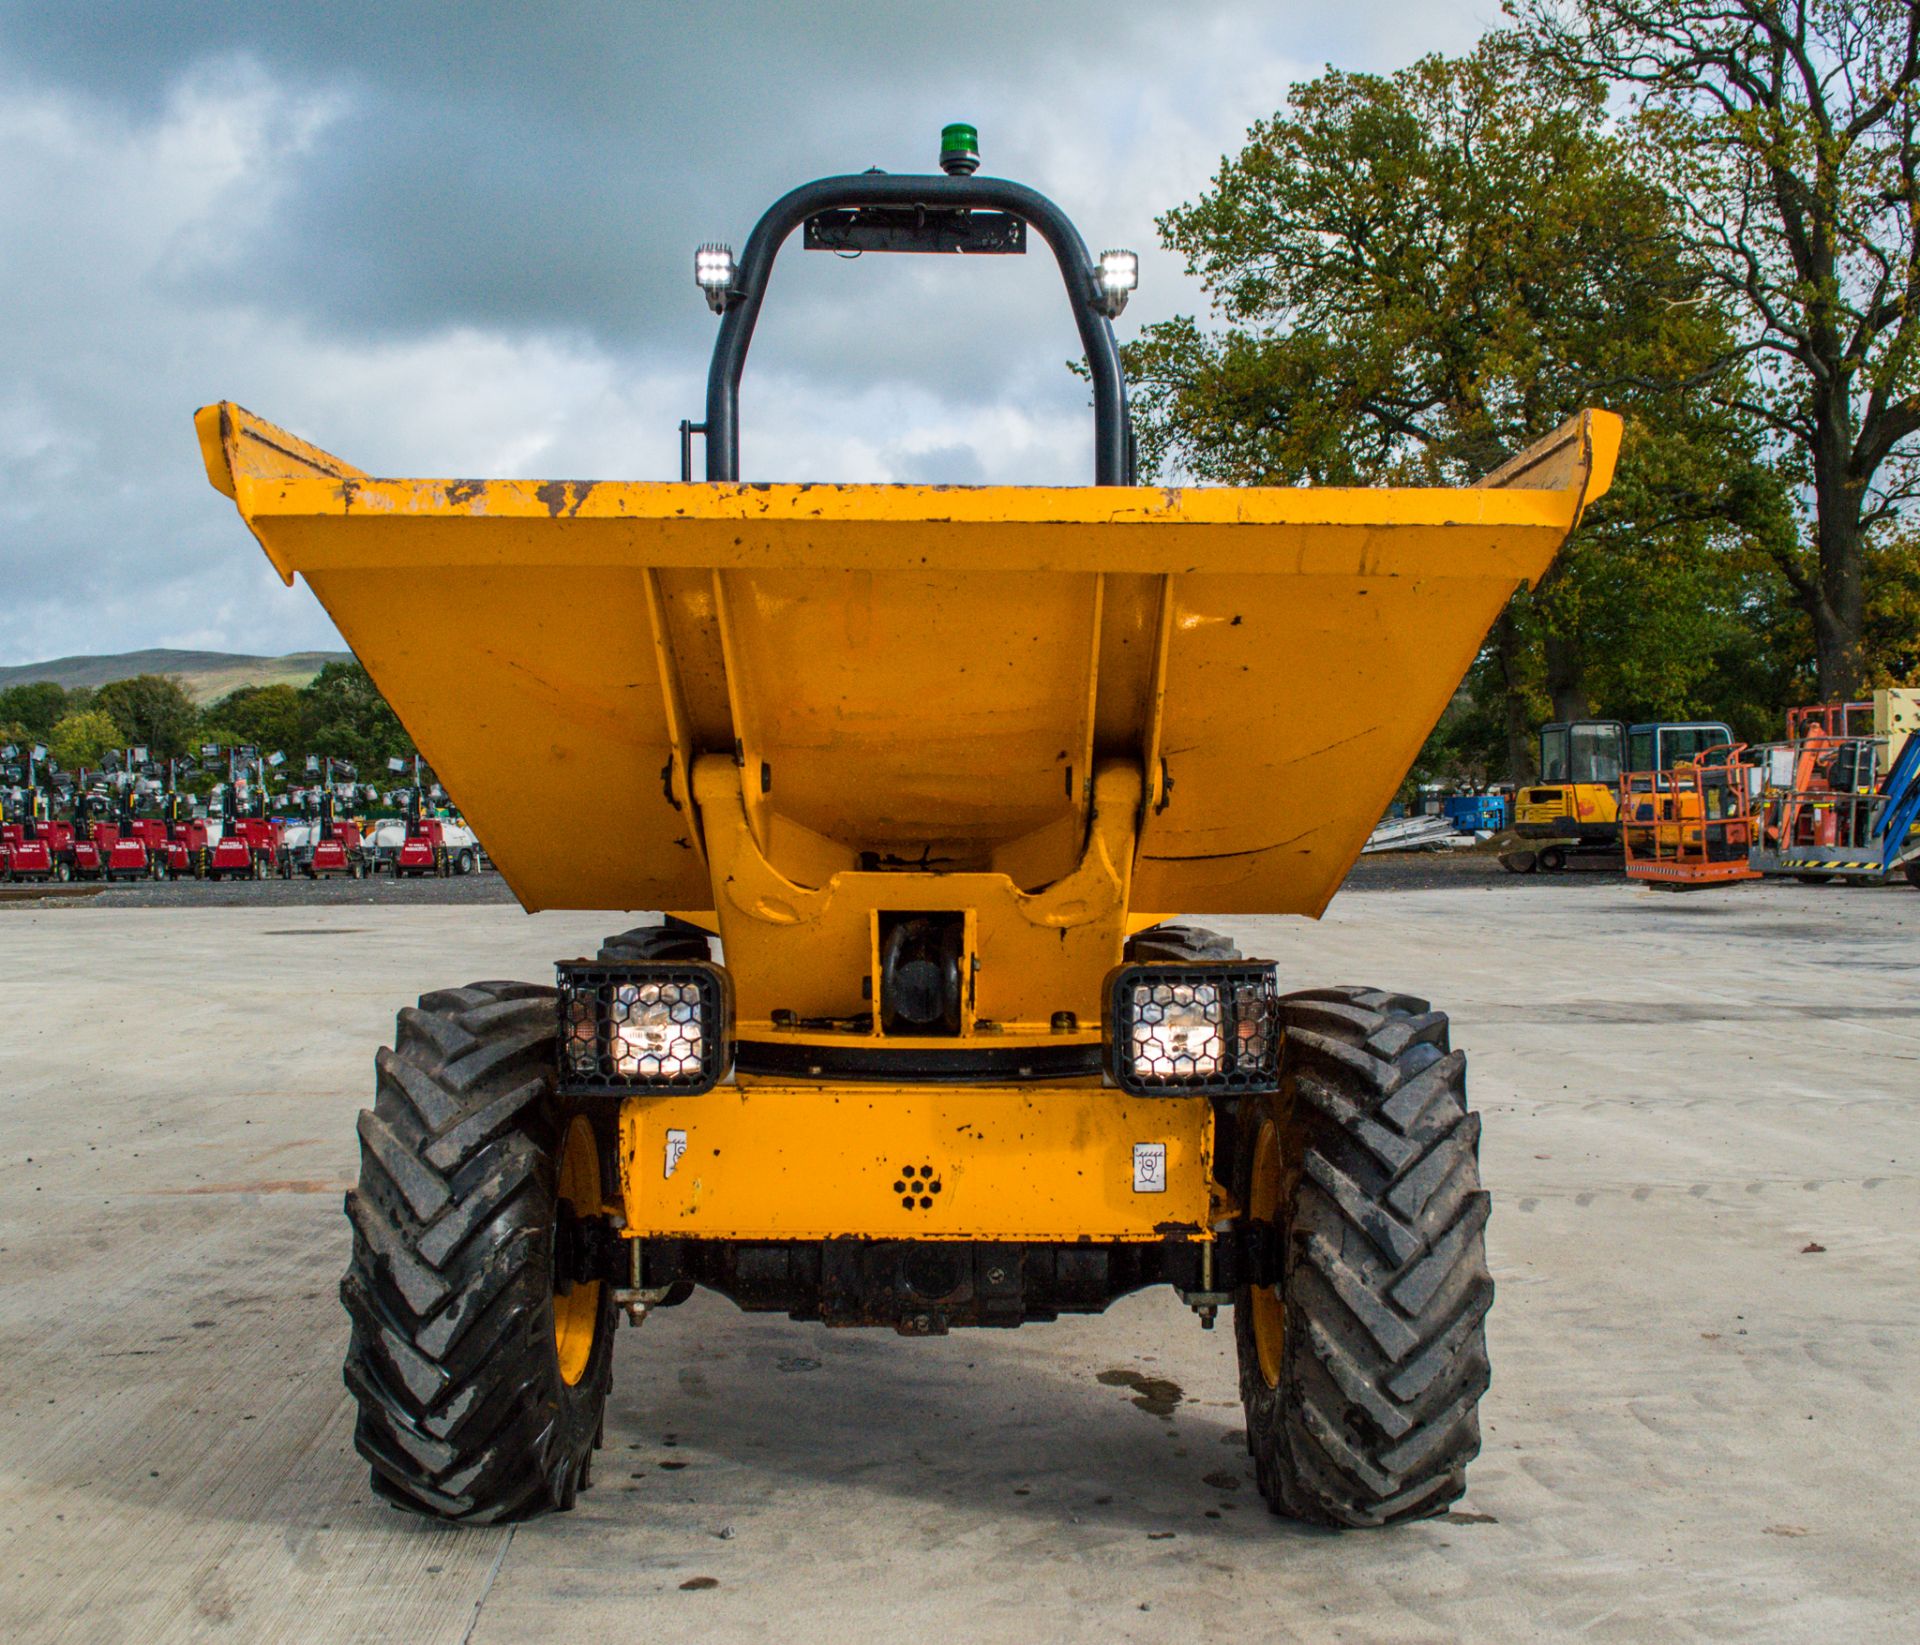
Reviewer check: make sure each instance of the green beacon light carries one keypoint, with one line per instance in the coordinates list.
(959, 150)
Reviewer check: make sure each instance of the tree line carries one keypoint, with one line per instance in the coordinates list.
(338, 714)
(1700, 213)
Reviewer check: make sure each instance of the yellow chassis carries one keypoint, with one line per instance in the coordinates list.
(813, 1158)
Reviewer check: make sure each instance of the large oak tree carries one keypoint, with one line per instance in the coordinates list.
(1787, 132)
(1415, 276)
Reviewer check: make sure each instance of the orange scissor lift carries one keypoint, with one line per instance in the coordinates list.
(1692, 825)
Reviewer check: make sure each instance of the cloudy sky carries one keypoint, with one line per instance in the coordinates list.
(457, 239)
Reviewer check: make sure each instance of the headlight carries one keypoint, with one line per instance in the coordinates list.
(1193, 1028)
(643, 1027)
(713, 271)
(1115, 280)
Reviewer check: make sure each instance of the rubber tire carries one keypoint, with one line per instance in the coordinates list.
(671, 940)
(1553, 859)
(462, 1411)
(465, 863)
(1383, 1258)
(63, 872)
(1520, 862)
(1912, 871)
(1181, 944)
(1814, 879)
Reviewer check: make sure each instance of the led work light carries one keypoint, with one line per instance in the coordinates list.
(1193, 1028)
(643, 1027)
(1116, 279)
(713, 270)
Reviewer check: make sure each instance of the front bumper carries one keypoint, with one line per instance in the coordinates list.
(1053, 1163)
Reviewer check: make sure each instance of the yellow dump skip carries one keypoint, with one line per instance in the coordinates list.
(917, 674)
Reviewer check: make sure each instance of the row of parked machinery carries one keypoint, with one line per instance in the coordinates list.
(129, 835)
(1838, 798)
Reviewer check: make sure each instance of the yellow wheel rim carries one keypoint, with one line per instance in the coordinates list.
(1269, 1313)
(576, 1315)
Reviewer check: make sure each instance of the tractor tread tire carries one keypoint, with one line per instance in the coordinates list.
(462, 1411)
(1180, 944)
(671, 940)
(1385, 1281)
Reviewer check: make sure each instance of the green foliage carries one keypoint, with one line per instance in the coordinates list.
(84, 739)
(338, 714)
(151, 710)
(33, 709)
(345, 716)
(1890, 640)
(1413, 277)
(267, 717)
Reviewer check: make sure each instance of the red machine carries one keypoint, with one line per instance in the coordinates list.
(183, 845)
(249, 843)
(28, 844)
(80, 845)
(130, 844)
(329, 843)
(424, 850)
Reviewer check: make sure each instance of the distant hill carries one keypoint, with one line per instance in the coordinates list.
(203, 675)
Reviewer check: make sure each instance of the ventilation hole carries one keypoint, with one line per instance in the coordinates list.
(925, 1203)
(936, 1185)
(899, 1187)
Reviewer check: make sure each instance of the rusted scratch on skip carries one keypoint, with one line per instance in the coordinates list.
(564, 496)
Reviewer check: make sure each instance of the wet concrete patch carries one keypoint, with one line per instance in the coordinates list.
(1157, 1396)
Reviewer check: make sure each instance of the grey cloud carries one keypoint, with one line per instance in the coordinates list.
(458, 239)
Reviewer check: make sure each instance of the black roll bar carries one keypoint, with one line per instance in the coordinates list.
(1112, 431)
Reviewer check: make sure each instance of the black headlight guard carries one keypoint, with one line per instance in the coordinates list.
(1201, 1028)
(643, 1027)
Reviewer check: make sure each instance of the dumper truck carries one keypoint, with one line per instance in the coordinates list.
(928, 782)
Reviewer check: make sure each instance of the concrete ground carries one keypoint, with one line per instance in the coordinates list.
(1701, 1136)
